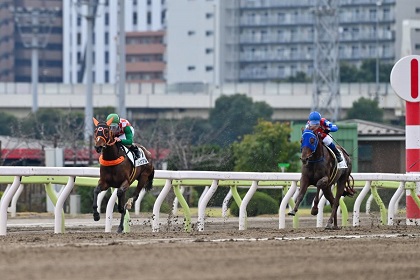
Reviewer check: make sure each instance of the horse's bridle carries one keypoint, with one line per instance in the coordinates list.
(315, 145)
(106, 135)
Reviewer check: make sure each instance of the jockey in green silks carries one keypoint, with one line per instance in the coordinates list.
(123, 132)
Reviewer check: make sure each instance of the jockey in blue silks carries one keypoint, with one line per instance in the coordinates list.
(322, 126)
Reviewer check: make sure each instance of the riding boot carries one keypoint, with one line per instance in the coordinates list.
(136, 151)
(336, 152)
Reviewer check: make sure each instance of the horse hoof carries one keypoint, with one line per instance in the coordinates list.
(96, 217)
(314, 211)
(331, 227)
(120, 229)
(291, 213)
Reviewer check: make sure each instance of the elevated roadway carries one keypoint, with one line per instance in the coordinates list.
(150, 101)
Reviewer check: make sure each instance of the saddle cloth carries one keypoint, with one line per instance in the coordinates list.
(343, 163)
(142, 160)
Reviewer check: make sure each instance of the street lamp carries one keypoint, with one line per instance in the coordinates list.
(34, 26)
(378, 4)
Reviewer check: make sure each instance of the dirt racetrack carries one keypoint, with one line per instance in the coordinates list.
(221, 251)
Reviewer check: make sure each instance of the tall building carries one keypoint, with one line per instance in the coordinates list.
(20, 21)
(263, 41)
(193, 41)
(140, 16)
(145, 57)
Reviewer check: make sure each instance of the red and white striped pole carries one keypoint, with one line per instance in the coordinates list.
(405, 82)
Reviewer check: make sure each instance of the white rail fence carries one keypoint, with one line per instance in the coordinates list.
(175, 180)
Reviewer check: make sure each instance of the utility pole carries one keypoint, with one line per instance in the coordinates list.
(34, 26)
(326, 75)
(378, 4)
(90, 15)
(122, 111)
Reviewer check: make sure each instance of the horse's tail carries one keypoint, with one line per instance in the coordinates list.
(349, 188)
(149, 184)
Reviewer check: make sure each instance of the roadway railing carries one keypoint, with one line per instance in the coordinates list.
(17, 177)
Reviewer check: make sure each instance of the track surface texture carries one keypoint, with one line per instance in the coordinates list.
(221, 251)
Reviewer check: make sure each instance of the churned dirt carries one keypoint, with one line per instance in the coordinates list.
(221, 251)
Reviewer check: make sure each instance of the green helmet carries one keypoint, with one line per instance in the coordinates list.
(115, 116)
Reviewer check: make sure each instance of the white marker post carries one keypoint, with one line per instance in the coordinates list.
(405, 82)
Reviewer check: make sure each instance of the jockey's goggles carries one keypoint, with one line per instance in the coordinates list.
(114, 127)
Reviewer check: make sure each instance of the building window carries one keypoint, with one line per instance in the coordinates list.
(208, 51)
(106, 57)
(209, 68)
(365, 152)
(209, 33)
(149, 17)
(106, 38)
(106, 18)
(106, 76)
(191, 68)
(135, 18)
(417, 10)
(209, 15)
(190, 33)
(79, 38)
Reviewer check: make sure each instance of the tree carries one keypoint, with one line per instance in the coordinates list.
(235, 116)
(348, 73)
(265, 148)
(8, 123)
(366, 109)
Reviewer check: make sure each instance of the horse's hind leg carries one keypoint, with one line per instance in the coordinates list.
(145, 181)
(334, 201)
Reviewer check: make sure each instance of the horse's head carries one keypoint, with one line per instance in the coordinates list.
(103, 134)
(309, 143)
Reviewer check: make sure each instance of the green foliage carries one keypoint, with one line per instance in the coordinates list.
(348, 73)
(234, 116)
(8, 124)
(101, 113)
(265, 148)
(86, 199)
(260, 204)
(366, 73)
(149, 200)
(366, 109)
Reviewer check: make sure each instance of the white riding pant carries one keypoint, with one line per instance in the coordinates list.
(327, 140)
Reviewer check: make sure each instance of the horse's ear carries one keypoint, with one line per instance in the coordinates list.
(95, 121)
(108, 123)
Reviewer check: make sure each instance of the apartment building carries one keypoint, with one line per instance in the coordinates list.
(145, 57)
(270, 40)
(17, 22)
(140, 16)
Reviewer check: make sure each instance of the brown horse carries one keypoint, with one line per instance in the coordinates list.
(319, 168)
(117, 171)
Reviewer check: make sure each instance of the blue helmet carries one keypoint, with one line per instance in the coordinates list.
(314, 118)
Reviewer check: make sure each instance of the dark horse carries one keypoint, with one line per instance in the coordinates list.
(319, 168)
(117, 170)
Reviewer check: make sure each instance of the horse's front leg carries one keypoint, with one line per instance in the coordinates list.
(96, 192)
(314, 210)
(304, 184)
(121, 207)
